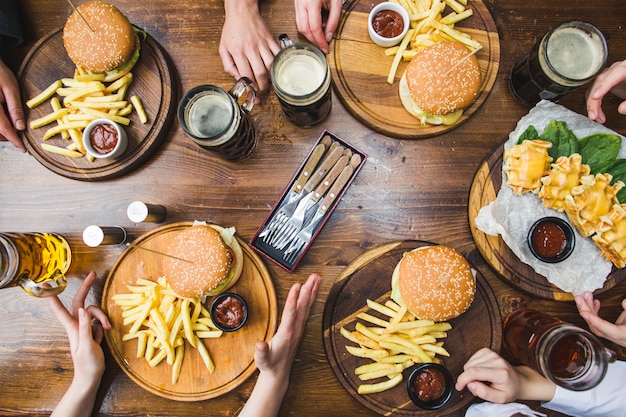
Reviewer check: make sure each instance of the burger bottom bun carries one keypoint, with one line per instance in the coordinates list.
(434, 283)
(411, 106)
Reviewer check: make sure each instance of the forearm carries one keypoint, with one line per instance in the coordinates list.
(240, 7)
(266, 397)
(78, 400)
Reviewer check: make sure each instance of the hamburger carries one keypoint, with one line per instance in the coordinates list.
(100, 39)
(431, 96)
(433, 283)
(210, 261)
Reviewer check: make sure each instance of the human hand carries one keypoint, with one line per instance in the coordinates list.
(309, 20)
(588, 307)
(247, 47)
(612, 79)
(488, 376)
(14, 118)
(277, 356)
(84, 335)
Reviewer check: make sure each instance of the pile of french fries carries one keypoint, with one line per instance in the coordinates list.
(86, 97)
(393, 344)
(428, 26)
(161, 321)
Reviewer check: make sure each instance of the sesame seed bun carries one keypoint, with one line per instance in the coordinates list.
(425, 89)
(434, 283)
(217, 261)
(110, 44)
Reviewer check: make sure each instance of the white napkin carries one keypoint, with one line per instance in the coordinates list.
(500, 410)
(512, 215)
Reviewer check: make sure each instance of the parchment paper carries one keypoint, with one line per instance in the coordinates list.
(511, 216)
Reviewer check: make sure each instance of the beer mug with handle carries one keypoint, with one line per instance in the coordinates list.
(35, 261)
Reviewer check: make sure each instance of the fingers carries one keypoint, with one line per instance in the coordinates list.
(261, 354)
(334, 13)
(81, 294)
(309, 23)
(610, 79)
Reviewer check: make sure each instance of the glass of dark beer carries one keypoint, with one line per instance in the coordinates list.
(566, 354)
(567, 57)
(301, 80)
(219, 121)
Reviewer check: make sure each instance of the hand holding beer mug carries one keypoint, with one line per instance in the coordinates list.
(567, 57)
(301, 80)
(35, 261)
(563, 353)
(214, 119)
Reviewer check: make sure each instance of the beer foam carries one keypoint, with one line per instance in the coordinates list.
(574, 53)
(300, 74)
(209, 115)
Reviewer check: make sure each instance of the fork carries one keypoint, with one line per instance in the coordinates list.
(304, 236)
(294, 224)
(288, 210)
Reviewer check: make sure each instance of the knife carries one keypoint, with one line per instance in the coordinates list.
(306, 233)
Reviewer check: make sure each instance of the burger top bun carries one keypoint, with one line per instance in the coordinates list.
(217, 261)
(434, 283)
(110, 44)
(436, 93)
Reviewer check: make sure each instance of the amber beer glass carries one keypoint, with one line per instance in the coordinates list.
(35, 261)
(301, 81)
(567, 57)
(215, 119)
(565, 354)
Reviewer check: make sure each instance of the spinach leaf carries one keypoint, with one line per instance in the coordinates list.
(599, 151)
(530, 133)
(618, 171)
(564, 142)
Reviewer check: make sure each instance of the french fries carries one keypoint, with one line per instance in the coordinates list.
(85, 97)
(429, 25)
(161, 321)
(393, 343)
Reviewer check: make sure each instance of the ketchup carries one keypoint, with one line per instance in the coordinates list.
(388, 23)
(229, 312)
(429, 384)
(103, 138)
(548, 239)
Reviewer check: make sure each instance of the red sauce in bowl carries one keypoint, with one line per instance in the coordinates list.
(229, 312)
(429, 384)
(548, 239)
(388, 23)
(103, 138)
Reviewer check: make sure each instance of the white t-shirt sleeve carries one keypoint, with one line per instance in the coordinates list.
(607, 399)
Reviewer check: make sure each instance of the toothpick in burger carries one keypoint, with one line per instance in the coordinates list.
(433, 283)
(210, 261)
(100, 39)
(433, 89)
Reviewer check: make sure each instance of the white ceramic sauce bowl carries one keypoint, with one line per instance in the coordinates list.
(117, 151)
(381, 40)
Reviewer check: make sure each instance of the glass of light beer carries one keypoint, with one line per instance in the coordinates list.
(215, 119)
(301, 79)
(566, 354)
(35, 261)
(567, 57)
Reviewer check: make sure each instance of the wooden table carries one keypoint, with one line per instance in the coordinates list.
(409, 189)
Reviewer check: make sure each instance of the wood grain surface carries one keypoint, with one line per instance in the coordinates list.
(484, 190)
(407, 190)
(153, 82)
(359, 68)
(232, 353)
(369, 277)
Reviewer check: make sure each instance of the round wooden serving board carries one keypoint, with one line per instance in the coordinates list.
(232, 353)
(485, 187)
(369, 276)
(359, 68)
(153, 82)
